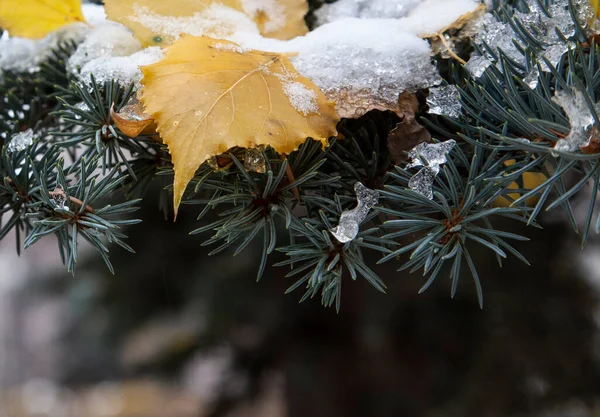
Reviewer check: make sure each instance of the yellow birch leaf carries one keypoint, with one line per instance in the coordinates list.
(596, 6)
(209, 95)
(160, 22)
(34, 19)
(530, 181)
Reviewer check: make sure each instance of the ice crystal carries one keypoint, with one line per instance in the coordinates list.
(20, 141)
(350, 220)
(580, 119)
(430, 156)
(59, 198)
(254, 160)
(531, 79)
(445, 101)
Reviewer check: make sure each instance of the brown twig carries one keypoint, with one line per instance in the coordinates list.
(449, 48)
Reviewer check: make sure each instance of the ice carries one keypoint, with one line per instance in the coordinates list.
(499, 35)
(580, 119)
(93, 13)
(477, 65)
(532, 77)
(364, 9)
(430, 156)
(350, 220)
(59, 198)
(20, 141)
(422, 181)
(134, 111)
(123, 69)
(445, 101)
(106, 40)
(254, 160)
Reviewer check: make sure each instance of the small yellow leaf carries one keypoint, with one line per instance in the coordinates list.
(34, 19)
(530, 181)
(209, 95)
(160, 22)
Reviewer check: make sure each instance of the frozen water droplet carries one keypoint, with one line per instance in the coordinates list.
(430, 156)
(59, 198)
(350, 220)
(20, 141)
(445, 101)
(531, 79)
(254, 160)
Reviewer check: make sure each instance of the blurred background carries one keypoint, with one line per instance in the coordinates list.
(178, 334)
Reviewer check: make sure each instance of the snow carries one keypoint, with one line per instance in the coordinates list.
(123, 69)
(20, 141)
(215, 20)
(364, 63)
(433, 16)
(106, 40)
(364, 9)
(271, 9)
(25, 55)
(300, 97)
(364, 54)
(420, 17)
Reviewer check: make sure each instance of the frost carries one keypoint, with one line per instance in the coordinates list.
(20, 141)
(477, 65)
(350, 220)
(59, 198)
(125, 70)
(106, 40)
(430, 156)
(580, 119)
(445, 101)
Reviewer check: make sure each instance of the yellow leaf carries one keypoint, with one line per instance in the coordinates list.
(596, 6)
(34, 19)
(209, 95)
(152, 21)
(530, 181)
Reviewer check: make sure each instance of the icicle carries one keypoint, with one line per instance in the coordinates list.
(445, 101)
(430, 156)
(580, 119)
(255, 160)
(20, 141)
(58, 197)
(350, 220)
